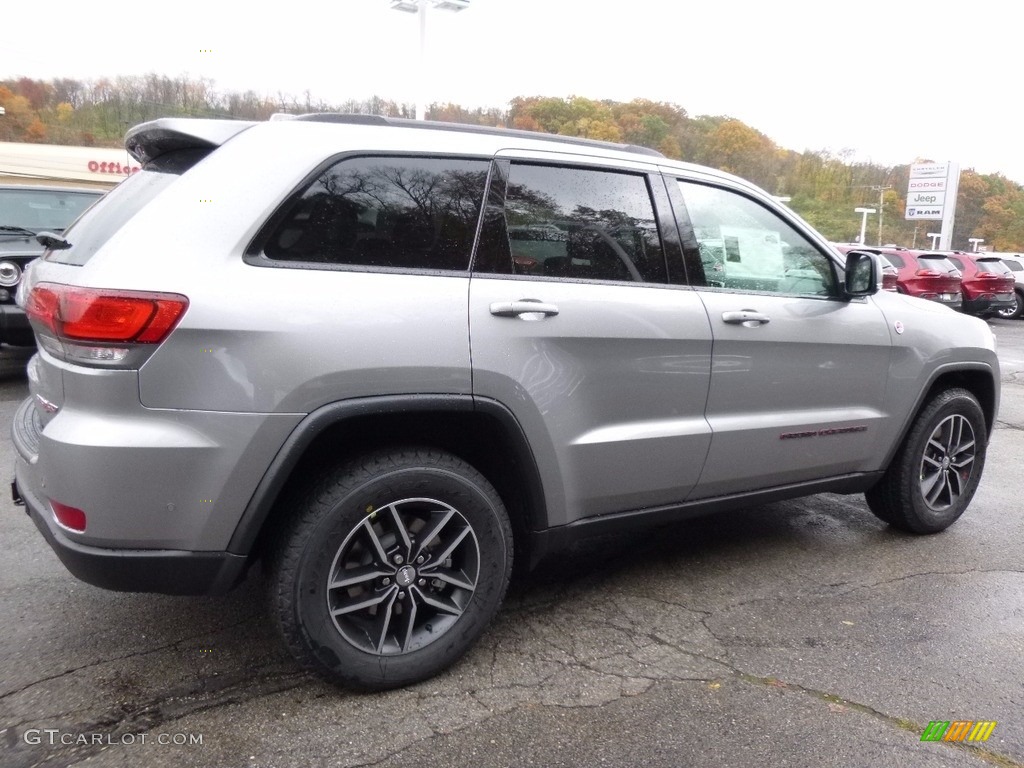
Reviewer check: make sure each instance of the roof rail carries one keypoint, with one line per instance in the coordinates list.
(401, 122)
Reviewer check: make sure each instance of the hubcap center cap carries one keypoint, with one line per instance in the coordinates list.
(945, 462)
(405, 576)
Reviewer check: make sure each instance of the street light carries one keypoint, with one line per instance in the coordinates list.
(975, 241)
(420, 7)
(863, 221)
(935, 237)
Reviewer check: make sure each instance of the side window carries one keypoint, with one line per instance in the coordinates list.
(580, 224)
(744, 246)
(412, 212)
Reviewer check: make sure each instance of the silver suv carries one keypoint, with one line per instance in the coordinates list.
(389, 358)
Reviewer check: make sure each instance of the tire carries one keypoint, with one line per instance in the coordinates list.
(1016, 311)
(934, 474)
(391, 568)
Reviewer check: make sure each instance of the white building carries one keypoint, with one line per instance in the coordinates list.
(56, 164)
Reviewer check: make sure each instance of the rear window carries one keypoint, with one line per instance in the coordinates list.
(992, 265)
(43, 209)
(113, 211)
(938, 263)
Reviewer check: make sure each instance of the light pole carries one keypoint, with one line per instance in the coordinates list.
(863, 221)
(975, 242)
(420, 7)
(935, 237)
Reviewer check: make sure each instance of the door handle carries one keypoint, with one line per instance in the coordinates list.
(745, 317)
(523, 307)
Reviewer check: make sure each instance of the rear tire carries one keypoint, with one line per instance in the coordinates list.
(391, 568)
(1016, 311)
(934, 474)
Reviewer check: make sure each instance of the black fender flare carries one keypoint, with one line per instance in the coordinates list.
(315, 423)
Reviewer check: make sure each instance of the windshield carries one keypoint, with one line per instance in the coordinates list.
(28, 210)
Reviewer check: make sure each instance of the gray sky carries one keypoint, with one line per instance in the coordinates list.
(891, 81)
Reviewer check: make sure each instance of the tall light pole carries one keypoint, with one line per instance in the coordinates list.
(935, 237)
(975, 241)
(863, 221)
(420, 7)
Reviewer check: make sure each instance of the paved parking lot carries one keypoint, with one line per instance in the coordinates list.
(799, 634)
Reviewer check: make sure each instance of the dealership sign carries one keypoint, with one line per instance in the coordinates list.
(926, 191)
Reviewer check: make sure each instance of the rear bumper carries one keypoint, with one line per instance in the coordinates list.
(985, 305)
(170, 572)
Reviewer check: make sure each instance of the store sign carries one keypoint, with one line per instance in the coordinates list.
(926, 190)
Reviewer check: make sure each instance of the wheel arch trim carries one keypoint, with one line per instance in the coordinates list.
(989, 405)
(288, 457)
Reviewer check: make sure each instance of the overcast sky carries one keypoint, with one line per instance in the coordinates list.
(891, 80)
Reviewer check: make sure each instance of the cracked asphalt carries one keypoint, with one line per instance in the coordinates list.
(793, 634)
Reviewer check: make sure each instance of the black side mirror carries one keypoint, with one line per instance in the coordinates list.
(863, 272)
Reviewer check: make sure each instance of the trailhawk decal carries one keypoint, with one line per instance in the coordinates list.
(822, 432)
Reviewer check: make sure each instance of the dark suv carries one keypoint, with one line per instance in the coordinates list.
(25, 211)
(390, 358)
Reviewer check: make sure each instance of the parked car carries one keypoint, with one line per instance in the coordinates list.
(390, 358)
(923, 274)
(25, 211)
(986, 281)
(1015, 264)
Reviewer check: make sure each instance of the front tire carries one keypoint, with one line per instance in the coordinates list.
(936, 471)
(391, 568)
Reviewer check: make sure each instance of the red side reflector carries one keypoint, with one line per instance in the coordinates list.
(69, 517)
(92, 314)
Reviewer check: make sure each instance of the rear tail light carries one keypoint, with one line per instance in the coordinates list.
(93, 325)
(69, 517)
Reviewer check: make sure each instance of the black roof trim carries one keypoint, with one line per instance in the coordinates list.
(401, 122)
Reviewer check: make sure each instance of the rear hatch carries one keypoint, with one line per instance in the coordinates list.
(993, 278)
(78, 326)
(938, 278)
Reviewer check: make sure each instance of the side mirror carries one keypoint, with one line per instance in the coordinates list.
(862, 275)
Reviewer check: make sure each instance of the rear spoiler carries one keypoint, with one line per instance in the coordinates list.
(147, 141)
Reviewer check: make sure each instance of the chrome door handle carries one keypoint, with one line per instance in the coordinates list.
(523, 307)
(747, 317)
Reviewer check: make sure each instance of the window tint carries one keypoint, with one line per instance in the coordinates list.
(413, 212)
(579, 224)
(744, 246)
(1016, 266)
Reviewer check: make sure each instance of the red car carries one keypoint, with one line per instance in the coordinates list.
(987, 283)
(925, 274)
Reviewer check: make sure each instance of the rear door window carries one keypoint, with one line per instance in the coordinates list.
(575, 224)
(388, 212)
